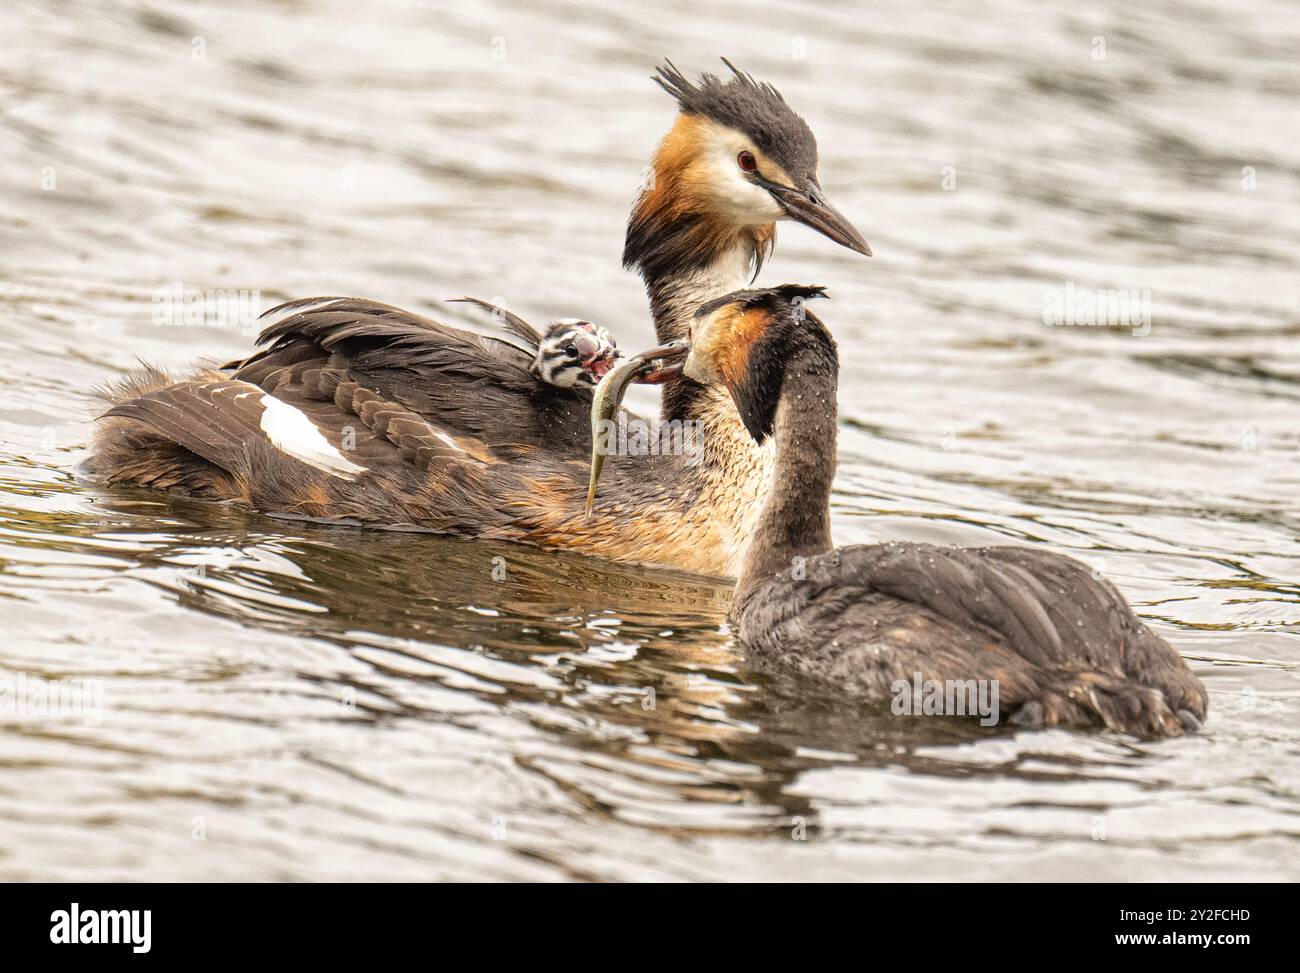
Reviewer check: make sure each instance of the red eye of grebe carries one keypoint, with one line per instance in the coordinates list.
(747, 162)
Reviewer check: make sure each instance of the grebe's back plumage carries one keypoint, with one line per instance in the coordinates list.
(1061, 643)
(362, 414)
(1063, 646)
(479, 386)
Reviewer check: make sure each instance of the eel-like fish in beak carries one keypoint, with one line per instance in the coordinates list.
(651, 367)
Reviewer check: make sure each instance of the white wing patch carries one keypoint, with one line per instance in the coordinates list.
(292, 432)
(447, 439)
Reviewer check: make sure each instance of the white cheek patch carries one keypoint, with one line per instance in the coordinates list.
(291, 432)
(733, 193)
(736, 195)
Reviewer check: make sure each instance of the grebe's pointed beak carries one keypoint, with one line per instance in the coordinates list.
(663, 363)
(811, 208)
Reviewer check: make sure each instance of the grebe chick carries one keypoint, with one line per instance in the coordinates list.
(574, 352)
(1061, 644)
(570, 353)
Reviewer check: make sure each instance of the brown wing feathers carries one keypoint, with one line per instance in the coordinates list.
(451, 430)
(377, 336)
(213, 420)
(465, 383)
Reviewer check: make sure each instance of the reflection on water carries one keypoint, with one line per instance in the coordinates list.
(286, 700)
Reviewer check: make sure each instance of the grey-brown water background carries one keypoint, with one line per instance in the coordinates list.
(285, 701)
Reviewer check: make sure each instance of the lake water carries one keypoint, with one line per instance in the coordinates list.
(284, 701)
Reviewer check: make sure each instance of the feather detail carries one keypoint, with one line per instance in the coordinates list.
(509, 320)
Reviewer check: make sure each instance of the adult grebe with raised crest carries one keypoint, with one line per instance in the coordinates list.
(361, 412)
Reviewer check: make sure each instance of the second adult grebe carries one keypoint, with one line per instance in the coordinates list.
(1060, 643)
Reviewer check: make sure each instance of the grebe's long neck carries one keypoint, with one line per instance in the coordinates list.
(796, 517)
(695, 274)
(688, 252)
(675, 294)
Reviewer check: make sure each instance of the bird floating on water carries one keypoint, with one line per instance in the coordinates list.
(357, 412)
(1061, 644)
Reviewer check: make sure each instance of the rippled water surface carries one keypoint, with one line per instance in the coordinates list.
(295, 702)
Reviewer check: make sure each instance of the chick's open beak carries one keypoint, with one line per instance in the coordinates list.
(600, 365)
(598, 357)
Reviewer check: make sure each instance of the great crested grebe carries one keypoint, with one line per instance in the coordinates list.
(1061, 644)
(363, 413)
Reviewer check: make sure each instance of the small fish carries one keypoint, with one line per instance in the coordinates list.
(648, 368)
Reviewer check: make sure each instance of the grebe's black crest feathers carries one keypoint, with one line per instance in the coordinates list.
(752, 107)
(768, 297)
(807, 292)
